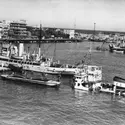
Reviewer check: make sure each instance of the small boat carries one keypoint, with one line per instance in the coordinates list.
(107, 88)
(41, 81)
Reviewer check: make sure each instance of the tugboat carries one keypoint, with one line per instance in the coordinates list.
(89, 79)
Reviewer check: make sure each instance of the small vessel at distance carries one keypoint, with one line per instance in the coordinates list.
(113, 48)
(118, 47)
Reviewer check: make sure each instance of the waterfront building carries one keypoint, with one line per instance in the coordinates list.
(70, 32)
(0, 32)
(66, 31)
(18, 30)
(4, 27)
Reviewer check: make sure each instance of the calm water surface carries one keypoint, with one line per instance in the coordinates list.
(22, 104)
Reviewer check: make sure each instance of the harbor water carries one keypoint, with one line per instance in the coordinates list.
(26, 104)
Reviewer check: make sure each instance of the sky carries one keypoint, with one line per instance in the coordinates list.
(107, 15)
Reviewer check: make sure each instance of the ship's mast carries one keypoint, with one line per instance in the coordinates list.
(94, 31)
(40, 35)
(75, 29)
(54, 58)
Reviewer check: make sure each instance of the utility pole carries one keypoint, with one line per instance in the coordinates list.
(94, 31)
(75, 29)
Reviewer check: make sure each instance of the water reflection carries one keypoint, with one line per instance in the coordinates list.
(80, 93)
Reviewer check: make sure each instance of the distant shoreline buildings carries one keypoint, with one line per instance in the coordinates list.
(20, 30)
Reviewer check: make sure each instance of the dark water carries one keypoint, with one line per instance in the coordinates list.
(22, 104)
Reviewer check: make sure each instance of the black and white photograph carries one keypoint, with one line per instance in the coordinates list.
(62, 62)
